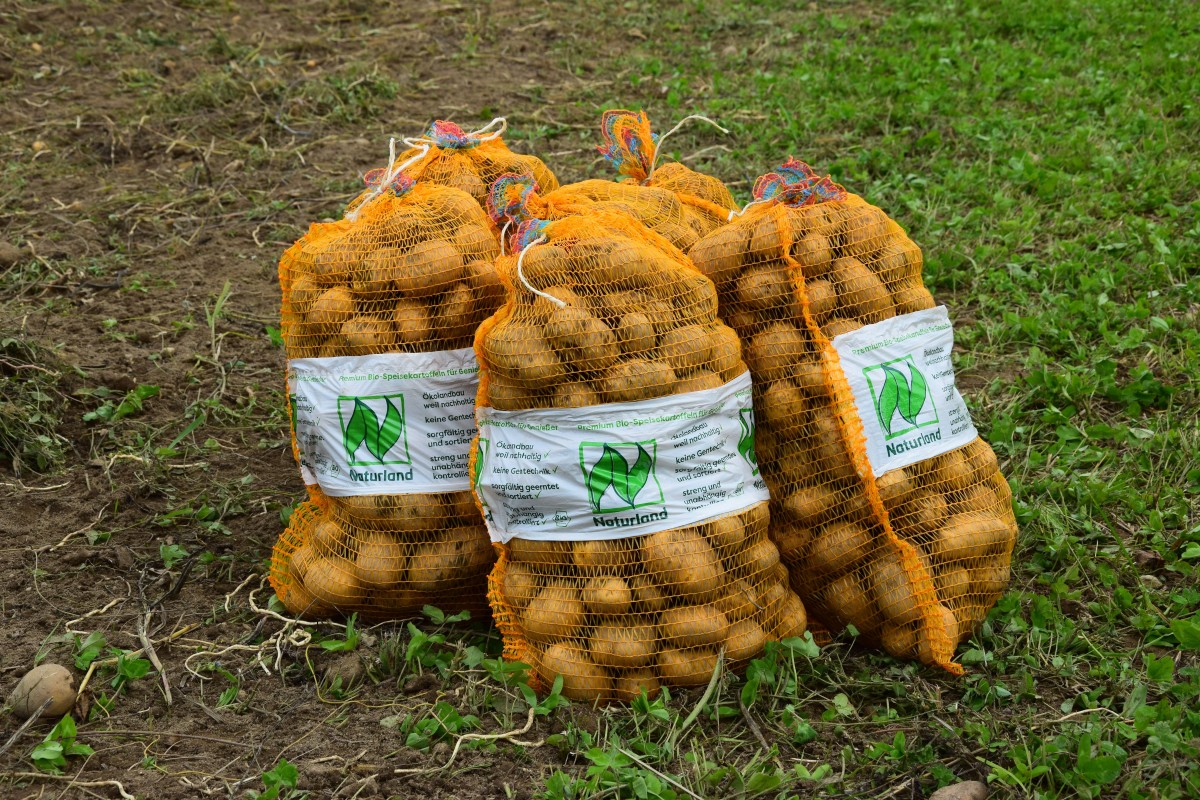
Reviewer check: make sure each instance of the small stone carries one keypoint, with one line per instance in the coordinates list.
(10, 254)
(967, 790)
(52, 682)
(37, 48)
(312, 62)
(1151, 582)
(38, 146)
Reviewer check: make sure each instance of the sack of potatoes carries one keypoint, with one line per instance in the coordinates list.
(379, 314)
(615, 469)
(514, 198)
(888, 509)
(632, 148)
(447, 155)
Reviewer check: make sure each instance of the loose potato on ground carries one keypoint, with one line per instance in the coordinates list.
(49, 685)
(622, 643)
(582, 678)
(686, 667)
(555, 613)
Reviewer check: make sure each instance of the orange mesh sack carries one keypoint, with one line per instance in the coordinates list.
(513, 199)
(631, 147)
(889, 510)
(615, 467)
(379, 315)
(469, 160)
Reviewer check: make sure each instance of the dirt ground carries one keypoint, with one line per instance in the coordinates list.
(159, 158)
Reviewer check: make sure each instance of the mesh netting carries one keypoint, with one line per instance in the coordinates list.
(411, 272)
(468, 160)
(600, 310)
(915, 558)
(632, 148)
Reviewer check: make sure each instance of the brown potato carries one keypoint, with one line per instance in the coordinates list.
(698, 381)
(822, 299)
(303, 293)
(726, 352)
(520, 585)
(543, 265)
(910, 296)
(327, 538)
(607, 596)
(648, 595)
(895, 488)
(686, 348)
(686, 667)
(684, 561)
(899, 641)
(783, 407)
(540, 554)
(725, 533)
(635, 334)
(814, 255)
(792, 619)
(953, 472)
(952, 583)
(476, 243)
(758, 559)
(792, 539)
(693, 626)
(429, 267)
(925, 514)
(737, 601)
(628, 684)
(768, 235)
(486, 282)
(967, 537)
(381, 561)
(329, 311)
(720, 255)
(809, 376)
(866, 231)
(456, 314)
(574, 394)
(762, 287)
(860, 292)
(582, 678)
(410, 322)
(992, 579)
(620, 644)
(745, 640)
(839, 546)
(771, 353)
(608, 556)
(517, 351)
(367, 335)
(637, 379)
(949, 624)
(849, 599)
(555, 613)
(894, 590)
(332, 583)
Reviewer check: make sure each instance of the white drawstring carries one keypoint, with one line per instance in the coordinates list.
(746, 207)
(392, 172)
(503, 232)
(418, 141)
(521, 274)
(678, 125)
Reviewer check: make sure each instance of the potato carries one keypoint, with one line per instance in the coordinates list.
(520, 585)
(682, 560)
(327, 538)
(925, 514)
(860, 292)
(456, 313)
(900, 260)
(619, 643)
(792, 539)
(301, 602)
(767, 236)
(756, 519)
(556, 612)
(978, 499)
(476, 242)
(648, 595)
(745, 640)
(725, 533)
(607, 596)
(457, 551)
(945, 617)
(726, 352)
(894, 590)
(543, 265)
(628, 684)
(758, 559)
(966, 537)
(865, 231)
(574, 394)
(737, 600)
(686, 348)
(838, 547)
(783, 407)
(637, 379)
(899, 641)
(429, 267)
(953, 472)
(518, 351)
(721, 254)
(792, 619)
(51, 685)
(953, 583)
(486, 282)
(686, 667)
(771, 353)
(982, 457)
(895, 488)
(814, 254)
(698, 381)
(764, 286)
(910, 296)
(809, 376)
(332, 583)
(332, 261)
(410, 322)
(582, 678)
(605, 556)
(375, 277)
(694, 296)
(332, 308)
(541, 554)
(693, 626)
(772, 598)
(303, 293)
(366, 335)
(822, 299)
(635, 334)
(380, 561)
(991, 579)
(849, 599)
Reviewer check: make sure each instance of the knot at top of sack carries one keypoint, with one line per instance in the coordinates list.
(446, 134)
(400, 184)
(629, 144)
(508, 199)
(795, 183)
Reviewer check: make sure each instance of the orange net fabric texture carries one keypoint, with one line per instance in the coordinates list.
(469, 160)
(601, 310)
(913, 559)
(632, 148)
(513, 199)
(411, 272)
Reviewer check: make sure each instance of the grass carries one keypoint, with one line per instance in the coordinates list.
(1044, 157)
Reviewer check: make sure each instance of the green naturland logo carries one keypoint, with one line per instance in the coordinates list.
(745, 444)
(482, 450)
(902, 402)
(620, 476)
(367, 440)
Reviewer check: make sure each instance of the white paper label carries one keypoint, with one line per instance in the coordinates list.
(619, 469)
(398, 423)
(900, 373)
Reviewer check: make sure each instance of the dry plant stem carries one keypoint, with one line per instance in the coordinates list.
(148, 648)
(41, 776)
(664, 776)
(132, 654)
(751, 724)
(481, 737)
(34, 717)
(51, 548)
(94, 612)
